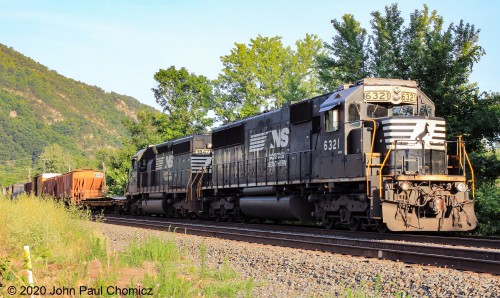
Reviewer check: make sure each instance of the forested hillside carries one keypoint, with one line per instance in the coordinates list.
(41, 109)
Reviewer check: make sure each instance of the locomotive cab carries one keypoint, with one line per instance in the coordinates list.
(416, 180)
(167, 178)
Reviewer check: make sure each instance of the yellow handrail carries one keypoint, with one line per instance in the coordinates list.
(199, 183)
(368, 166)
(460, 152)
(191, 186)
(472, 173)
(382, 166)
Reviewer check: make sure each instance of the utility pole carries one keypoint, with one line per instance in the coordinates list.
(44, 160)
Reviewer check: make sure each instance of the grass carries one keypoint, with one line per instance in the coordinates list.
(66, 251)
(153, 249)
(176, 275)
(53, 232)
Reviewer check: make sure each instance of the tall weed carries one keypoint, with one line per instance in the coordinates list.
(151, 249)
(53, 232)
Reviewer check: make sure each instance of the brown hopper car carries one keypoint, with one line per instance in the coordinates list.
(81, 187)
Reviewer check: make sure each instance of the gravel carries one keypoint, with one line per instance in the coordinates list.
(286, 272)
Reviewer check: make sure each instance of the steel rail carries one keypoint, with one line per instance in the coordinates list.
(451, 240)
(458, 258)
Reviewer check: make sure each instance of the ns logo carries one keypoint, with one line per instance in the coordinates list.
(169, 161)
(280, 138)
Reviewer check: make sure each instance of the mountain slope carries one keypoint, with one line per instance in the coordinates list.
(39, 107)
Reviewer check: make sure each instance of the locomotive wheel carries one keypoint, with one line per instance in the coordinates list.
(244, 219)
(329, 223)
(381, 227)
(354, 225)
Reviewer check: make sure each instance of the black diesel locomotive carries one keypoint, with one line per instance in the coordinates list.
(371, 154)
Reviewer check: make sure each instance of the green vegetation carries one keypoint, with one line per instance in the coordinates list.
(48, 121)
(40, 108)
(53, 232)
(66, 251)
(177, 277)
(264, 75)
(185, 98)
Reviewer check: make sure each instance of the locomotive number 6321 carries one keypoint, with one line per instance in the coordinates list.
(331, 144)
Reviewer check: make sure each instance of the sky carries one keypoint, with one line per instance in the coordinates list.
(119, 45)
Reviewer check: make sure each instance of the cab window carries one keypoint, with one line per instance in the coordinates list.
(402, 110)
(353, 112)
(332, 120)
(376, 111)
(425, 110)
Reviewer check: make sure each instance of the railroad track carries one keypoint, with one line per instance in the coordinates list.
(471, 258)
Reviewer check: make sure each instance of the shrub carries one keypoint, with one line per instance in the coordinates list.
(488, 209)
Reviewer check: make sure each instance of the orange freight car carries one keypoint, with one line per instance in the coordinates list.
(39, 181)
(79, 186)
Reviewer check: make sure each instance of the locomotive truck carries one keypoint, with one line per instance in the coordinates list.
(371, 154)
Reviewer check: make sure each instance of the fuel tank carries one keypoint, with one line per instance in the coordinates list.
(155, 206)
(277, 208)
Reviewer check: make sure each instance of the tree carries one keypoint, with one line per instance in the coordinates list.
(151, 127)
(302, 80)
(346, 60)
(265, 74)
(485, 121)
(117, 163)
(386, 52)
(186, 98)
(54, 159)
(440, 60)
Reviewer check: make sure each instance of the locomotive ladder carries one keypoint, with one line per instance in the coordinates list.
(371, 156)
(370, 166)
(194, 186)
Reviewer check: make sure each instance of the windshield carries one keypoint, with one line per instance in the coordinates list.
(376, 111)
(402, 111)
(411, 110)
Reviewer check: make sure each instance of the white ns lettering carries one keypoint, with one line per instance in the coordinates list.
(280, 137)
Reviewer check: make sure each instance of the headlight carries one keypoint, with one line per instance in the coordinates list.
(460, 186)
(405, 185)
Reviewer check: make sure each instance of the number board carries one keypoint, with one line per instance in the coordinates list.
(408, 97)
(202, 151)
(375, 95)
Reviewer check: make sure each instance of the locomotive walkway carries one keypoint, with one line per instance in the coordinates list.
(463, 253)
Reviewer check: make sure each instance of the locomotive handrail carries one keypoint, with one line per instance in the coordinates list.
(381, 168)
(461, 151)
(368, 166)
(200, 182)
(472, 173)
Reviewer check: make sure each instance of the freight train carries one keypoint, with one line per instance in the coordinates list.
(369, 155)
